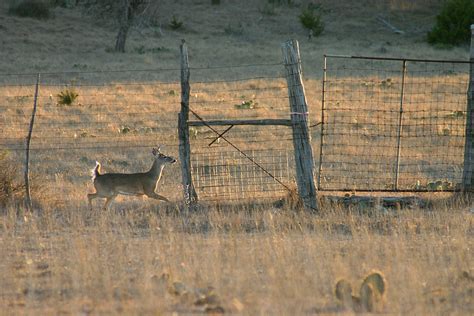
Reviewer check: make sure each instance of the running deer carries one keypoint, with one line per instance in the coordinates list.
(109, 185)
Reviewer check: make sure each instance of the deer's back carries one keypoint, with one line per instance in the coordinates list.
(133, 182)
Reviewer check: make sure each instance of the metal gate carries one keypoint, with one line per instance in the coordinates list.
(392, 124)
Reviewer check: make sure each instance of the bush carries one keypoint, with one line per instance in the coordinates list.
(175, 23)
(37, 9)
(310, 18)
(67, 97)
(453, 23)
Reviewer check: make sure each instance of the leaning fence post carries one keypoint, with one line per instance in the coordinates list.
(300, 124)
(190, 194)
(468, 170)
(27, 154)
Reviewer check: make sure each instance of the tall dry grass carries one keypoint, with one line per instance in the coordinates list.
(147, 258)
(257, 258)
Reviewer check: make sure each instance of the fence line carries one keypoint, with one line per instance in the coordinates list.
(437, 61)
(119, 115)
(143, 70)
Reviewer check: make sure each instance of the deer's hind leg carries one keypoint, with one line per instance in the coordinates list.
(90, 197)
(155, 196)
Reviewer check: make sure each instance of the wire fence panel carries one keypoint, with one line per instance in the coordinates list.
(118, 116)
(393, 124)
(116, 119)
(434, 126)
(220, 171)
(227, 175)
(386, 125)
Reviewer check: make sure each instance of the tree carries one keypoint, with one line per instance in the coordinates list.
(453, 23)
(128, 13)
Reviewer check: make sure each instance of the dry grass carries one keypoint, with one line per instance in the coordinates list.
(143, 257)
(258, 259)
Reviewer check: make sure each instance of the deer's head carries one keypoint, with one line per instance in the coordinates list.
(162, 157)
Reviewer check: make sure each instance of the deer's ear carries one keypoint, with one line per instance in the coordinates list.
(158, 149)
(155, 151)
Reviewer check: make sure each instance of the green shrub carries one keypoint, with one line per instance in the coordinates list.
(453, 23)
(245, 105)
(37, 9)
(310, 18)
(175, 23)
(67, 97)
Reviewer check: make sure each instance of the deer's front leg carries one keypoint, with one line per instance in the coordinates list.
(108, 201)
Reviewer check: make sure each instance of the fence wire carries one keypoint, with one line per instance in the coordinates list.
(362, 144)
(116, 119)
(119, 116)
(266, 160)
(393, 124)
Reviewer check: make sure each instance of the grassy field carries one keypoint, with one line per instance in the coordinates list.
(257, 259)
(248, 249)
(143, 257)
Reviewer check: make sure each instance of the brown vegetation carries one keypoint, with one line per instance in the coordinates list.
(239, 255)
(247, 259)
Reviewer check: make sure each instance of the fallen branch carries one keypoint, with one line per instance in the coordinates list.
(390, 26)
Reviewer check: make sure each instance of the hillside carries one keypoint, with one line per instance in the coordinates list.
(234, 32)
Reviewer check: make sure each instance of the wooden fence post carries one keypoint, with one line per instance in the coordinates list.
(27, 154)
(190, 194)
(300, 125)
(468, 171)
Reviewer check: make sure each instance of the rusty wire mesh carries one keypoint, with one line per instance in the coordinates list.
(393, 124)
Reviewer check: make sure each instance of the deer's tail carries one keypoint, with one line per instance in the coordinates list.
(96, 171)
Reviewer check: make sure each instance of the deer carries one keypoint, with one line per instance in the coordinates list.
(109, 185)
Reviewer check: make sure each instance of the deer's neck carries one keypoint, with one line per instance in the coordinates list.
(156, 169)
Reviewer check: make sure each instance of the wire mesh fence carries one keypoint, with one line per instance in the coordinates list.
(119, 116)
(386, 125)
(116, 118)
(220, 172)
(393, 124)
